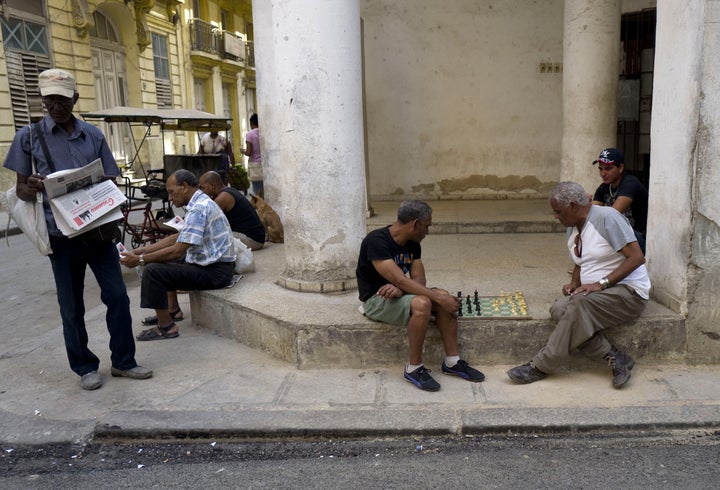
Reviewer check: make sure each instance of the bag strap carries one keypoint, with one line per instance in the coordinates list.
(33, 160)
(43, 143)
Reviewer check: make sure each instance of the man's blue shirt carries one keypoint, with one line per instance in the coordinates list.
(85, 145)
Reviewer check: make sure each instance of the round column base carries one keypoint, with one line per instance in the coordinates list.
(330, 286)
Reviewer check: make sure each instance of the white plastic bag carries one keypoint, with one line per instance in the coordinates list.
(29, 216)
(244, 261)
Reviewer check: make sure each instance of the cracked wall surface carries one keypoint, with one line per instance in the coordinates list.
(456, 105)
(684, 225)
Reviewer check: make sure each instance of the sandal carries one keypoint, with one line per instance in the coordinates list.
(158, 334)
(177, 316)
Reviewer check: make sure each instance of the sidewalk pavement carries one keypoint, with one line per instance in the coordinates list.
(7, 228)
(209, 387)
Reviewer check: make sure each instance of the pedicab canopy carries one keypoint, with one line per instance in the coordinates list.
(167, 119)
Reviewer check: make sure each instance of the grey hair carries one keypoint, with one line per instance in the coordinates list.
(183, 175)
(568, 192)
(413, 209)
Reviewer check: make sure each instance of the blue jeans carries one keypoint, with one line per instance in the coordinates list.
(69, 260)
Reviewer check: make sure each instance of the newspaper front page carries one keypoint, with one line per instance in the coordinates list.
(80, 200)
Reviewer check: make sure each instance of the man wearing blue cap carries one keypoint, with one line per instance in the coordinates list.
(622, 191)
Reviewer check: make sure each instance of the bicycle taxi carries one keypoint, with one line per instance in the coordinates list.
(151, 184)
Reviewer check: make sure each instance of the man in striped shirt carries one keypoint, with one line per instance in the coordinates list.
(201, 256)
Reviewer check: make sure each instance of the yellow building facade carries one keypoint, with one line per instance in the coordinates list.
(181, 54)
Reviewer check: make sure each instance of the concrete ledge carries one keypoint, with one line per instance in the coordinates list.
(353, 341)
(312, 330)
(456, 228)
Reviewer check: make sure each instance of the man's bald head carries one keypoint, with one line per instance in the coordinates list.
(211, 183)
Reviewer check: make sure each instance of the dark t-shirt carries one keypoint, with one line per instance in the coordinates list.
(379, 245)
(630, 187)
(243, 218)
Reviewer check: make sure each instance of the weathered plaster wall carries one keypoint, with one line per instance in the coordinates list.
(703, 321)
(591, 55)
(684, 236)
(456, 104)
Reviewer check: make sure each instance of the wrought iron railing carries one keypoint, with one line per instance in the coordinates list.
(250, 54)
(203, 36)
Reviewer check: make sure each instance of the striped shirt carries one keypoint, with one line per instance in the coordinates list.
(207, 231)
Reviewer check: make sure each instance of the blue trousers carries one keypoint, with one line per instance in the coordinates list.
(69, 260)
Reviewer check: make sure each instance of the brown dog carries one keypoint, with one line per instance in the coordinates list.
(270, 220)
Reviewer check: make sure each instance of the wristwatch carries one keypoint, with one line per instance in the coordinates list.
(604, 283)
(141, 261)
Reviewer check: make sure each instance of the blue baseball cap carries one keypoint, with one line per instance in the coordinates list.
(610, 156)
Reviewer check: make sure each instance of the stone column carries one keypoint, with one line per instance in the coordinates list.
(591, 50)
(684, 211)
(310, 118)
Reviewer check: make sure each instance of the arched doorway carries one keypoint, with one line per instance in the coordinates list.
(108, 59)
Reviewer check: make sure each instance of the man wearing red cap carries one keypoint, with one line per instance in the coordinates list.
(622, 191)
(58, 142)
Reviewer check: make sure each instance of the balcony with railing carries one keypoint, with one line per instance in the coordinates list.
(209, 39)
(203, 36)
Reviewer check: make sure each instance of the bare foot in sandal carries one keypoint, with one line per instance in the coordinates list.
(159, 333)
(177, 316)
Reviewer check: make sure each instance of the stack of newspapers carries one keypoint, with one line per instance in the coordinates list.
(80, 198)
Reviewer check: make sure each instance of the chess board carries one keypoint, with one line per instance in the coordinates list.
(505, 305)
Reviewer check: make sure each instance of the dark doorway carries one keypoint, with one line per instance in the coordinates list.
(637, 38)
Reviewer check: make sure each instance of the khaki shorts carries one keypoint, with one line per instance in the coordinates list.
(394, 311)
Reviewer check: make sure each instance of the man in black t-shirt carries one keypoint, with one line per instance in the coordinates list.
(244, 220)
(392, 287)
(622, 191)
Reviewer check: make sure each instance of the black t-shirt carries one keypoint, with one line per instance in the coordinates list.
(630, 187)
(379, 245)
(243, 218)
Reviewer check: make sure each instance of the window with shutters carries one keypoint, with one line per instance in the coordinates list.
(163, 87)
(27, 54)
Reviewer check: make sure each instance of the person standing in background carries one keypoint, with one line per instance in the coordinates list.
(252, 151)
(213, 144)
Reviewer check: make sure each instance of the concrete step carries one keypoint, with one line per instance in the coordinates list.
(360, 343)
(313, 330)
(478, 216)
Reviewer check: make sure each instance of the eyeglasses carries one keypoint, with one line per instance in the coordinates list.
(578, 246)
(52, 100)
